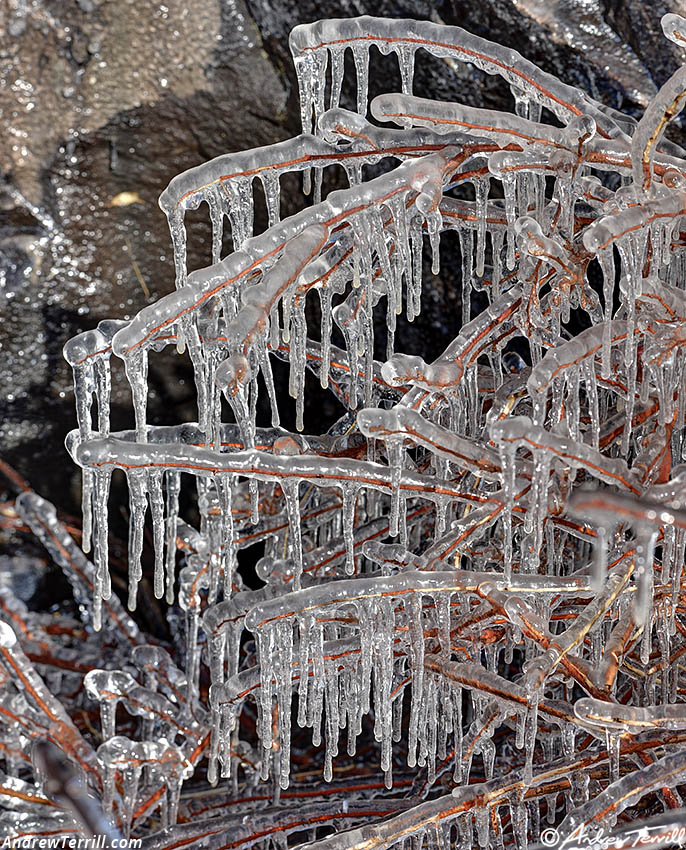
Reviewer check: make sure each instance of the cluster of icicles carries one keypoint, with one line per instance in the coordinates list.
(476, 573)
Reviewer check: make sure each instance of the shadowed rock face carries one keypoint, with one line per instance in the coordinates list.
(105, 100)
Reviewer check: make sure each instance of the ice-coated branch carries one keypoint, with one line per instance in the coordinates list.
(475, 573)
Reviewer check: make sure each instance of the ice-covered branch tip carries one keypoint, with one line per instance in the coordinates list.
(475, 573)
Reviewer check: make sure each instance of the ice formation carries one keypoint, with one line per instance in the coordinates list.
(476, 573)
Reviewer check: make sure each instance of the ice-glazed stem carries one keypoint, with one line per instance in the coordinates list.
(483, 123)
(277, 825)
(526, 624)
(625, 718)
(207, 283)
(608, 805)
(585, 346)
(519, 431)
(384, 424)
(452, 43)
(627, 509)
(414, 581)
(41, 517)
(63, 732)
(447, 371)
(260, 466)
(662, 109)
(612, 228)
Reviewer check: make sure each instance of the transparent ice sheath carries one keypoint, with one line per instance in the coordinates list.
(469, 626)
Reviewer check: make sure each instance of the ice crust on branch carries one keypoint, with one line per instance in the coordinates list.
(470, 620)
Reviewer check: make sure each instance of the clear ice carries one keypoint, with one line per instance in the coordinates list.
(475, 574)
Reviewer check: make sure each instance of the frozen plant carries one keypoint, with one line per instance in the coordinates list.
(476, 573)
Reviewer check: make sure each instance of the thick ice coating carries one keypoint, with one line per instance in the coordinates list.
(455, 618)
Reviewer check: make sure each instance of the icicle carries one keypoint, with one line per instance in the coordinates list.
(538, 510)
(405, 53)
(336, 58)
(291, 492)
(507, 456)
(483, 824)
(433, 226)
(509, 182)
(157, 512)
(588, 369)
(318, 83)
(101, 534)
(607, 265)
(442, 602)
(240, 209)
(519, 824)
(496, 250)
(551, 806)
(349, 495)
(217, 219)
(109, 688)
(282, 678)
(325, 294)
(304, 69)
(87, 485)
(600, 558)
(413, 612)
(318, 180)
(272, 195)
(177, 230)
(137, 481)
(296, 384)
(266, 369)
(383, 679)
(481, 189)
(531, 729)
(394, 452)
(103, 383)
(642, 609)
(417, 268)
(361, 58)
(614, 741)
(173, 487)
(467, 256)
(137, 373)
(225, 488)
(306, 625)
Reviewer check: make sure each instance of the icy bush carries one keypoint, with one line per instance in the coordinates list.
(476, 573)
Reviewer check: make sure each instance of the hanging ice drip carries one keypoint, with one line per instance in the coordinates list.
(475, 573)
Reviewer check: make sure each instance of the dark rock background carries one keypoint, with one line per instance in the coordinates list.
(104, 97)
